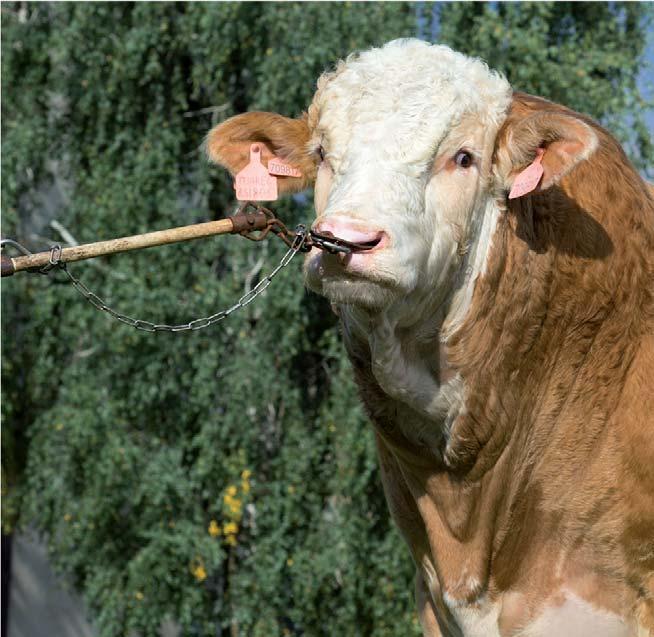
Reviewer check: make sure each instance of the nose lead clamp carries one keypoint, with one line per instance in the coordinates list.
(328, 242)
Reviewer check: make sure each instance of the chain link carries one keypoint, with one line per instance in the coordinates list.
(197, 324)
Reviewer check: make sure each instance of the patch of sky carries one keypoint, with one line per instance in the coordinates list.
(427, 20)
(646, 77)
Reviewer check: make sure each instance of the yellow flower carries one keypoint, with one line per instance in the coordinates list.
(235, 507)
(231, 540)
(68, 517)
(289, 561)
(138, 595)
(213, 529)
(245, 486)
(197, 568)
(246, 474)
(231, 491)
(230, 528)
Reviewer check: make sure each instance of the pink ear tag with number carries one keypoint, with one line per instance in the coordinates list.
(278, 167)
(529, 178)
(254, 183)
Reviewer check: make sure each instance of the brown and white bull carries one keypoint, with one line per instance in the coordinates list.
(504, 348)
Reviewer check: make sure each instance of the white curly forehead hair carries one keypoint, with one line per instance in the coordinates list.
(419, 91)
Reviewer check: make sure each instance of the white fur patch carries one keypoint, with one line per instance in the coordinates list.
(478, 619)
(476, 261)
(577, 618)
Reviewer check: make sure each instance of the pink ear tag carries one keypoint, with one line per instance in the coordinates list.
(278, 167)
(254, 183)
(529, 178)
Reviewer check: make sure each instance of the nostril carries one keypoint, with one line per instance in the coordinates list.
(350, 230)
(372, 243)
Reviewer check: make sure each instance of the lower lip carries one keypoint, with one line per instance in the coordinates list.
(358, 262)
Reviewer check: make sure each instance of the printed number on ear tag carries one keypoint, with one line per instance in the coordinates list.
(529, 178)
(278, 167)
(254, 183)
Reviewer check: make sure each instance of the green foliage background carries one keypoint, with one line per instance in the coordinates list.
(224, 478)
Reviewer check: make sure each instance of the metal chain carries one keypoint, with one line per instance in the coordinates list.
(301, 235)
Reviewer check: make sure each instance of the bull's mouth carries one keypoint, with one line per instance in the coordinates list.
(353, 274)
(355, 264)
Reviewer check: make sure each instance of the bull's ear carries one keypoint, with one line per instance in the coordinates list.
(228, 144)
(565, 140)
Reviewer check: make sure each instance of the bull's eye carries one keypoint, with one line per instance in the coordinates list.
(463, 159)
(321, 153)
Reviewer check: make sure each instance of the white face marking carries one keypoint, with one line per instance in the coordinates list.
(391, 122)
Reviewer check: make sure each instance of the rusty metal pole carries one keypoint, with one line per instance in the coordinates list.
(241, 222)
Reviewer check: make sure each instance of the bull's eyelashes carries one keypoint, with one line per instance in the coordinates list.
(463, 159)
(321, 157)
(460, 161)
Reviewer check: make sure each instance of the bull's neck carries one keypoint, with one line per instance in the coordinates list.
(401, 350)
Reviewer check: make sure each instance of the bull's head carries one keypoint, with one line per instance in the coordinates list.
(412, 149)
